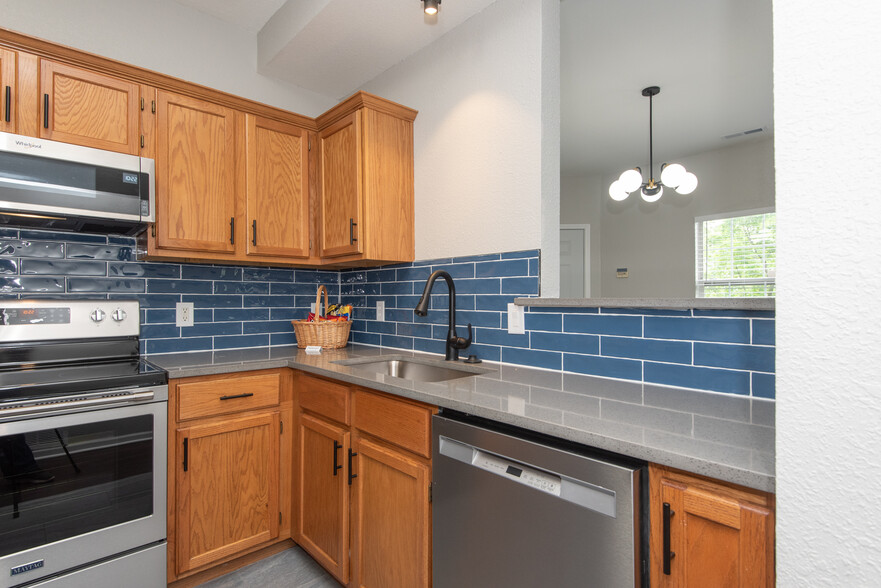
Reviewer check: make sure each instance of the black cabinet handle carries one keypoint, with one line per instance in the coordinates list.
(8, 103)
(351, 475)
(668, 555)
(186, 452)
(336, 463)
(230, 397)
(232, 230)
(254, 230)
(45, 111)
(352, 225)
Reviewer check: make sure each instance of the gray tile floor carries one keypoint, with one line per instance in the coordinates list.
(291, 568)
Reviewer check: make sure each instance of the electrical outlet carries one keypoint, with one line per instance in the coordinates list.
(184, 314)
(380, 310)
(516, 319)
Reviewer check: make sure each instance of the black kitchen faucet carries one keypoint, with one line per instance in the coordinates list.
(454, 342)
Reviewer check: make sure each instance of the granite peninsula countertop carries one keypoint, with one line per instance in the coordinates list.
(722, 436)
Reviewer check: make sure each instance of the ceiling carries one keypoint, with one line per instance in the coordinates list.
(711, 58)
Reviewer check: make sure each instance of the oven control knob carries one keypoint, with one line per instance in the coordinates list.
(118, 315)
(97, 315)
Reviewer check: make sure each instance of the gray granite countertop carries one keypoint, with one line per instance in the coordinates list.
(723, 436)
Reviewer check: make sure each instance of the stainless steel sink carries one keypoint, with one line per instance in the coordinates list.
(417, 371)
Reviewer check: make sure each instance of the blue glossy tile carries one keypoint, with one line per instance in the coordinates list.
(241, 314)
(500, 303)
(603, 324)
(159, 331)
(483, 352)
(389, 288)
(280, 314)
(520, 254)
(315, 277)
(203, 315)
(115, 285)
(647, 311)
(207, 272)
(504, 268)
(414, 330)
(121, 240)
(572, 343)
(260, 274)
(237, 341)
(381, 327)
(8, 233)
(68, 296)
(175, 345)
(608, 367)
(160, 286)
(213, 301)
(412, 274)
(26, 285)
(500, 337)
(534, 267)
(8, 266)
(734, 313)
(141, 270)
(353, 277)
(764, 332)
(61, 236)
(402, 302)
(383, 275)
(283, 338)
(62, 267)
(433, 346)
(268, 301)
(716, 380)
(456, 270)
(722, 330)
(543, 321)
(764, 385)
(160, 315)
(520, 286)
(633, 348)
(738, 357)
(103, 252)
(16, 248)
(211, 329)
(360, 289)
(563, 309)
(267, 327)
(479, 286)
(486, 257)
(479, 319)
(396, 342)
(405, 315)
(540, 359)
(365, 338)
(153, 300)
(355, 301)
(241, 288)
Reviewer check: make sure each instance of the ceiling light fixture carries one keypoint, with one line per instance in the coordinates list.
(431, 6)
(673, 175)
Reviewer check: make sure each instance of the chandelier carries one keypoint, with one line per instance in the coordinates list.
(673, 175)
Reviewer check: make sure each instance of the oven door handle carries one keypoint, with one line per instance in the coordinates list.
(49, 405)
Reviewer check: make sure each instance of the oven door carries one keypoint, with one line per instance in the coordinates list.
(81, 487)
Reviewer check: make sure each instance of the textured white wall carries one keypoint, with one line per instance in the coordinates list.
(163, 36)
(478, 136)
(828, 156)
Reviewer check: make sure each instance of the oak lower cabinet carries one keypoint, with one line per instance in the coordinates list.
(8, 90)
(229, 467)
(362, 484)
(709, 533)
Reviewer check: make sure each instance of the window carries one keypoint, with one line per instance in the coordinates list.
(736, 256)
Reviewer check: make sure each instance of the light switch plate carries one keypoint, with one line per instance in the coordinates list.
(516, 319)
(183, 316)
(380, 310)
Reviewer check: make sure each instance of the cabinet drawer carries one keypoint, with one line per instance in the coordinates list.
(227, 395)
(398, 422)
(329, 399)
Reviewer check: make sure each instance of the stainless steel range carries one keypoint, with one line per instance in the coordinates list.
(83, 427)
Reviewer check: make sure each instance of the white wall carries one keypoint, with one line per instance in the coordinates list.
(828, 154)
(656, 241)
(481, 166)
(163, 36)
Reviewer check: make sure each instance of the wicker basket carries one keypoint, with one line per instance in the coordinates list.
(325, 333)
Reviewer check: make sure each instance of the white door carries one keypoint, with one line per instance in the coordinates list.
(574, 261)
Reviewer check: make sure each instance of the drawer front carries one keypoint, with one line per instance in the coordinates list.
(400, 423)
(227, 395)
(329, 399)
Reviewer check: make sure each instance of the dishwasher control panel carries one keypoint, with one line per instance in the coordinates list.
(517, 472)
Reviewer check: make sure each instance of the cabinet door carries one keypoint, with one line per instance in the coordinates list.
(719, 536)
(341, 198)
(196, 175)
(390, 545)
(278, 188)
(8, 91)
(88, 108)
(324, 494)
(227, 488)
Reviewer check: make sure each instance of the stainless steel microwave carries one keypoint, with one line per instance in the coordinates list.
(47, 184)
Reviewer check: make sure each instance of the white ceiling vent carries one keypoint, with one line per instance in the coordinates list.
(744, 133)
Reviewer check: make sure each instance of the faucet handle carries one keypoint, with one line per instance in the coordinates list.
(460, 342)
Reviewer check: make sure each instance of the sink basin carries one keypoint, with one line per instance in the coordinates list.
(416, 371)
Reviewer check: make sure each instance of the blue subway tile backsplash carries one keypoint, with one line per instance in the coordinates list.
(236, 307)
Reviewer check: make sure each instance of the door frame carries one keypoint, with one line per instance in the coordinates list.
(586, 229)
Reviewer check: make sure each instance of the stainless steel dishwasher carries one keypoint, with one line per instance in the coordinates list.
(514, 509)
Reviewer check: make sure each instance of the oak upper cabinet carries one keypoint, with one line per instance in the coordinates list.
(366, 185)
(88, 108)
(8, 90)
(196, 176)
(278, 188)
(709, 533)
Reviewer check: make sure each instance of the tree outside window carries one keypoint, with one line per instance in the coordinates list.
(736, 256)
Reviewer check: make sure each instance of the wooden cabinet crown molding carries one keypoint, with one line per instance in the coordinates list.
(21, 42)
(364, 99)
